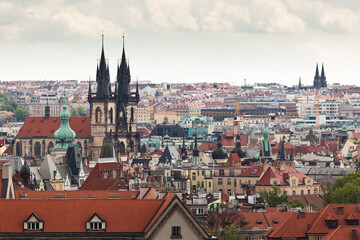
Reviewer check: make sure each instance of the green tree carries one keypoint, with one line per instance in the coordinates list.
(21, 114)
(297, 203)
(78, 111)
(312, 205)
(273, 197)
(344, 190)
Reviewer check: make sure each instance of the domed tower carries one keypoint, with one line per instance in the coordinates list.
(64, 135)
(218, 153)
(238, 149)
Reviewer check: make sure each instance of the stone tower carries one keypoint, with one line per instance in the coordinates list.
(113, 113)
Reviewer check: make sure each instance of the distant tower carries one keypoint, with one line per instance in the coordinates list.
(317, 78)
(196, 159)
(323, 83)
(265, 144)
(299, 82)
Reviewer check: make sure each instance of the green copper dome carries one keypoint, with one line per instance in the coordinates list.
(64, 135)
(167, 135)
(344, 128)
(349, 155)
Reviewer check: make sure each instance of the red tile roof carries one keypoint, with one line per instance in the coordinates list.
(333, 211)
(71, 215)
(343, 232)
(274, 172)
(234, 158)
(39, 127)
(207, 147)
(294, 224)
(252, 172)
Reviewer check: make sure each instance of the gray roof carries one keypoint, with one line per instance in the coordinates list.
(47, 168)
(16, 163)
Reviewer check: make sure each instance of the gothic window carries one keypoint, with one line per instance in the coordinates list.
(18, 149)
(98, 115)
(85, 147)
(37, 149)
(132, 115)
(122, 148)
(50, 146)
(43, 148)
(111, 115)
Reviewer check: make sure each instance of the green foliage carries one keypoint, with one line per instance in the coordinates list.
(273, 197)
(312, 205)
(344, 190)
(297, 203)
(225, 226)
(21, 114)
(7, 103)
(79, 111)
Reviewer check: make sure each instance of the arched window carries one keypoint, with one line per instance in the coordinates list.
(132, 115)
(315, 191)
(111, 115)
(293, 193)
(37, 149)
(122, 148)
(43, 148)
(18, 149)
(309, 192)
(85, 147)
(98, 115)
(50, 146)
(302, 192)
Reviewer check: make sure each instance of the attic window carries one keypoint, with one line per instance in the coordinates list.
(258, 221)
(275, 221)
(33, 223)
(95, 223)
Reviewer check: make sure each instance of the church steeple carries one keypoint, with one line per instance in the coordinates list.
(299, 82)
(183, 149)
(317, 78)
(102, 75)
(123, 76)
(323, 83)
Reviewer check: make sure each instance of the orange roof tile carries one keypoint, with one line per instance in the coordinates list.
(39, 127)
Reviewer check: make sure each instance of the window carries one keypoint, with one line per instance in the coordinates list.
(95, 226)
(318, 238)
(33, 226)
(176, 232)
(231, 172)
(33, 223)
(220, 181)
(221, 172)
(209, 184)
(193, 176)
(98, 115)
(111, 115)
(95, 223)
(293, 193)
(229, 181)
(234, 182)
(229, 192)
(202, 173)
(202, 184)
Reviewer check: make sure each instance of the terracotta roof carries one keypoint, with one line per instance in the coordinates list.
(71, 215)
(207, 146)
(307, 199)
(39, 127)
(295, 224)
(343, 232)
(274, 172)
(338, 211)
(79, 194)
(234, 158)
(252, 172)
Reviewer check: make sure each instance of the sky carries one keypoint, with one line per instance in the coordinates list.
(182, 41)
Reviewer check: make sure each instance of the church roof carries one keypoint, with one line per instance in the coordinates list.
(39, 127)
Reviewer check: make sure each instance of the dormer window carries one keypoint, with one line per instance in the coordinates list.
(95, 223)
(33, 223)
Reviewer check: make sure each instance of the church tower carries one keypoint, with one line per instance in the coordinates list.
(317, 78)
(112, 113)
(323, 83)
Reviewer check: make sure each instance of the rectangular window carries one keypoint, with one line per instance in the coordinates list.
(228, 181)
(209, 184)
(176, 232)
(231, 172)
(203, 173)
(33, 226)
(220, 181)
(95, 226)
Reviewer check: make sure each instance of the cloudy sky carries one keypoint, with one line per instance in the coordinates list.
(182, 41)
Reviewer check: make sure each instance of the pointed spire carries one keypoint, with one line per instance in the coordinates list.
(102, 75)
(183, 149)
(317, 71)
(137, 88)
(196, 150)
(322, 70)
(89, 91)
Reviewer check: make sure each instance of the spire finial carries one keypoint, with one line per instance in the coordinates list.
(123, 39)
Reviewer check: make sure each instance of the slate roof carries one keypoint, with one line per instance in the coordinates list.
(47, 168)
(39, 127)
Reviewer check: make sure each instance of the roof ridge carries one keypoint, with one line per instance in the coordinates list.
(282, 224)
(318, 218)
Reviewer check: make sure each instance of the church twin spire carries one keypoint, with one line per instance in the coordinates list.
(320, 80)
(103, 76)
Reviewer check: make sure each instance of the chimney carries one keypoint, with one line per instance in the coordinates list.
(292, 164)
(282, 166)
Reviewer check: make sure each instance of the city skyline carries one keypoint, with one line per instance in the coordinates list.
(187, 41)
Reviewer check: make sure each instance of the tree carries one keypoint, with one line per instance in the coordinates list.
(226, 226)
(79, 111)
(273, 197)
(21, 114)
(344, 190)
(312, 205)
(297, 203)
